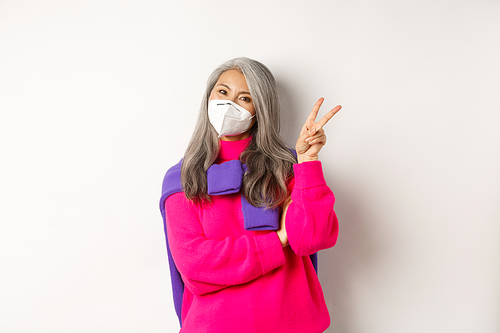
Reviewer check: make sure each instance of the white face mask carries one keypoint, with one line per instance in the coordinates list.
(228, 118)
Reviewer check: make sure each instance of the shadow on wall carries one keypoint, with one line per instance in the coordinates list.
(341, 267)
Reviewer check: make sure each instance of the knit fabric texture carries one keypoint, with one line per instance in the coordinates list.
(238, 279)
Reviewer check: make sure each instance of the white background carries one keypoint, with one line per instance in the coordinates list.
(99, 98)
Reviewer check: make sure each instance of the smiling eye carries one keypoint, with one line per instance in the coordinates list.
(222, 92)
(246, 99)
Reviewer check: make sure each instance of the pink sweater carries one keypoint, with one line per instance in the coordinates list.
(244, 281)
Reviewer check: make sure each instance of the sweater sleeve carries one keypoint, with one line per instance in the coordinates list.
(207, 265)
(311, 223)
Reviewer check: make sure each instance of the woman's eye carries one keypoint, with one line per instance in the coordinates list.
(222, 92)
(246, 99)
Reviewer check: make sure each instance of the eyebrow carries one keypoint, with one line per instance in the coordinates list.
(225, 85)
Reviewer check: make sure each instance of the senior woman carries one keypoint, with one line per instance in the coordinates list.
(244, 215)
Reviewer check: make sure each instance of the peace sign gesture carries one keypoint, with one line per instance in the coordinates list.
(312, 136)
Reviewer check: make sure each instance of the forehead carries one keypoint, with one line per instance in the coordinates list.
(234, 79)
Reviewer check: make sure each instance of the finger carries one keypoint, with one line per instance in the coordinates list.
(311, 127)
(308, 133)
(322, 122)
(317, 135)
(318, 140)
(315, 110)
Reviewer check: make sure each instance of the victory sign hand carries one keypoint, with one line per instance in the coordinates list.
(312, 136)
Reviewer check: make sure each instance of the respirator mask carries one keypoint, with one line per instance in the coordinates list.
(228, 118)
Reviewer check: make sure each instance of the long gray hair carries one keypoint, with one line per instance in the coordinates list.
(269, 161)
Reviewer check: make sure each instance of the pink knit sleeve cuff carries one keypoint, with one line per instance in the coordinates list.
(308, 174)
(271, 253)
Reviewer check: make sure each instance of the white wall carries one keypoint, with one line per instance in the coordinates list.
(99, 98)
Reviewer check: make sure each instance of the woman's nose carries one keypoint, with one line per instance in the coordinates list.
(234, 99)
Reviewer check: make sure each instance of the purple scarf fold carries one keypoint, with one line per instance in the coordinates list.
(226, 178)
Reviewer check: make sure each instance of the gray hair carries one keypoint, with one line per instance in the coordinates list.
(269, 161)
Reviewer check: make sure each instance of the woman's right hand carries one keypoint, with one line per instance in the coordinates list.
(282, 230)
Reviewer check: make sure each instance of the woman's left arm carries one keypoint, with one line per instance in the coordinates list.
(310, 221)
